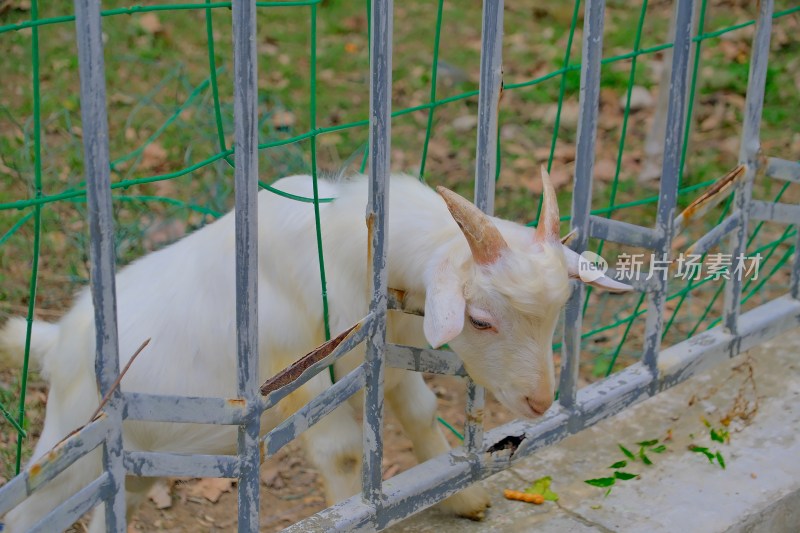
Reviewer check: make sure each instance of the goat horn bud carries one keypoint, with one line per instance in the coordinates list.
(547, 230)
(484, 239)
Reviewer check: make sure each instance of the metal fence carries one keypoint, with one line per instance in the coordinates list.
(380, 503)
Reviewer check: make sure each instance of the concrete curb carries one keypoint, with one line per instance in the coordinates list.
(759, 490)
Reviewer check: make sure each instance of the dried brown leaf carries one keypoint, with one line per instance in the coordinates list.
(153, 156)
(150, 23)
(212, 488)
(161, 495)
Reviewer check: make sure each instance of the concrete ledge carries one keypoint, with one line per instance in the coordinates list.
(758, 491)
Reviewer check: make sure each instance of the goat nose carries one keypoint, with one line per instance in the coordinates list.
(539, 404)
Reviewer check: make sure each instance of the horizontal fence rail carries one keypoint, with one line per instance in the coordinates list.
(383, 503)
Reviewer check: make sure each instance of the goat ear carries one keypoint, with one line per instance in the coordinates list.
(444, 305)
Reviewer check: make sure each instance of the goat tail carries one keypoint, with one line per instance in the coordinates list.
(44, 337)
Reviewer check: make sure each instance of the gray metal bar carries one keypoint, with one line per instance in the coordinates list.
(589, 102)
(355, 338)
(431, 482)
(380, 105)
(62, 456)
(491, 88)
(101, 231)
(245, 116)
(13, 492)
(490, 91)
(670, 178)
(703, 351)
(59, 459)
(183, 409)
(424, 360)
(77, 505)
(313, 411)
(774, 212)
(160, 464)
(622, 232)
(46, 468)
(749, 152)
(716, 234)
(781, 169)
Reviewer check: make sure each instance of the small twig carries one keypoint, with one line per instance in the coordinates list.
(105, 399)
(117, 381)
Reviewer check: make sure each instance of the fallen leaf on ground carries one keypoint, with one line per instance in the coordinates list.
(160, 495)
(150, 23)
(212, 488)
(153, 156)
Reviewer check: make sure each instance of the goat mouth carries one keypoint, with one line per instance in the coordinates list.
(518, 405)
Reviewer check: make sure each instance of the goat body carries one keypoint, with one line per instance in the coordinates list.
(183, 298)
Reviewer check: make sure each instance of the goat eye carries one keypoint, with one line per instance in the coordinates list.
(479, 324)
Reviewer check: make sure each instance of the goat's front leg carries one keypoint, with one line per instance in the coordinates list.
(414, 404)
(333, 444)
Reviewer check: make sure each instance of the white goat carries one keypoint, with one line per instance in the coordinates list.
(507, 282)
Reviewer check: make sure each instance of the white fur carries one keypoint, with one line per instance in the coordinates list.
(183, 298)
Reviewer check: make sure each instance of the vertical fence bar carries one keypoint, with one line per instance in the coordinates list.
(246, 180)
(589, 103)
(491, 88)
(749, 152)
(380, 105)
(101, 231)
(670, 178)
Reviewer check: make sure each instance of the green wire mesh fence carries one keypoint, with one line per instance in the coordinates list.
(170, 87)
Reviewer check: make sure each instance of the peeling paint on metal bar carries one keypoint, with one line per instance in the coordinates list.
(313, 411)
(358, 335)
(424, 360)
(380, 143)
(67, 452)
(53, 463)
(781, 169)
(589, 104)
(161, 464)
(715, 236)
(707, 349)
(613, 394)
(67, 513)
(621, 232)
(102, 255)
(749, 155)
(184, 409)
(775, 212)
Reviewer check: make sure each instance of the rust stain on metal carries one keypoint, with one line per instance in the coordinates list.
(296, 369)
(475, 417)
(397, 302)
(238, 403)
(34, 471)
(713, 195)
(370, 232)
(399, 295)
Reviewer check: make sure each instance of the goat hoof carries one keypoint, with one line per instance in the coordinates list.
(470, 503)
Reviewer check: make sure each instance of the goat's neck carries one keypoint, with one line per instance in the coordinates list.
(415, 251)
